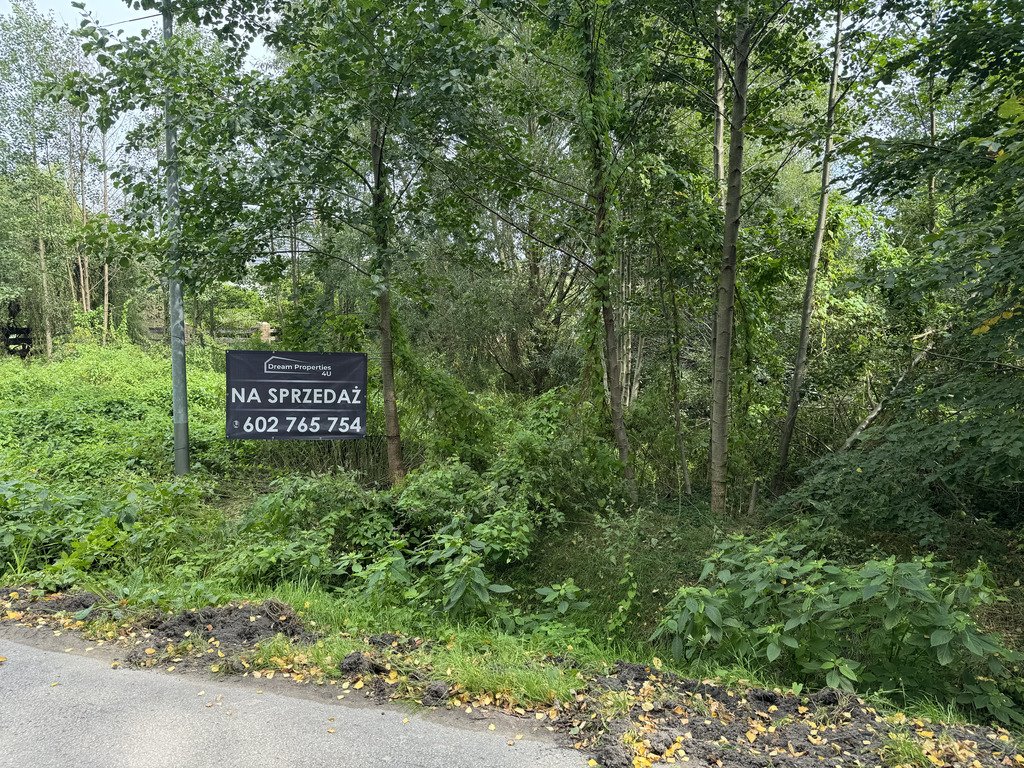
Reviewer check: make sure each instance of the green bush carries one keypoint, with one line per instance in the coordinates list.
(313, 527)
(943, 470)
(881, 625)
(64, 536)
(101, 415)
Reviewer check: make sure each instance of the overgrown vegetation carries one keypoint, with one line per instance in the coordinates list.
(883, 624)
(462, 542)
(645, 379)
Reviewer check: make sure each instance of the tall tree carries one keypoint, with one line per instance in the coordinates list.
(800, 363)
(593, 22)
(741, 50)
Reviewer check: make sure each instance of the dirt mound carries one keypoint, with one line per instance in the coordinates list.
(436, 694)
(70, 603)
(357, 664)
(26, 598)
(234, 627)
(670, 718)
(395, 643)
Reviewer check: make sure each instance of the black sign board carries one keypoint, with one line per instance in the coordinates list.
(296, 395)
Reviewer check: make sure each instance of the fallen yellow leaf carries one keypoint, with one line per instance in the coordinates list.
(358, 685)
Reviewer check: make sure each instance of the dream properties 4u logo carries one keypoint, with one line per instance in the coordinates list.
(278, 364)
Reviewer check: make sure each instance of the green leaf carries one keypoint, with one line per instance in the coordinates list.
(677, 647)
(773, 651)
(1010, 108)
(945, 655)
(941, 637)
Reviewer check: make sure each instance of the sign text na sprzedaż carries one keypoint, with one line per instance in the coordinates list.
(296, 395)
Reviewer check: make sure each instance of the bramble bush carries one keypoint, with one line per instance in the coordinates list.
(63, 536)
(882, 625)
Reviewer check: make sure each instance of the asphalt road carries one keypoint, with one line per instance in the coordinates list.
(72, 710)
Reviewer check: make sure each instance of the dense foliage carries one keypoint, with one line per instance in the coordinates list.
(883, 623)
(691, 326)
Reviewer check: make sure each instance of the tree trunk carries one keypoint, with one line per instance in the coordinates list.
(381, 231)
(727, 273)
(718, 153)
(719, 138)
(800, 364)
(86, 283)
(540, 326)
(932, 211)
(47, 324)
(43, 273)
(106, 261)
(673, 375)
(294, 247)
(599, 135)
(870, 418)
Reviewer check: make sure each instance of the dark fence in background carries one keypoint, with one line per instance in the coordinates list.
(17, 340)
(227, 336)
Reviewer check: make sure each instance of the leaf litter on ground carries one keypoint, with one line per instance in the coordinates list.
(631, 716)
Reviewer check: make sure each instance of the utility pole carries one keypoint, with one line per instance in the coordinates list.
(176, 307)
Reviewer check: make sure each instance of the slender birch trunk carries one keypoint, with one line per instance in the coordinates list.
(86, 282)
(800, 364)
(43, 271)
(382, 232)
(718, 153)
(727, 273)
(683, 462)
(106, 261)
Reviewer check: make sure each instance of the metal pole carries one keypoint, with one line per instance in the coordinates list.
(176, 307)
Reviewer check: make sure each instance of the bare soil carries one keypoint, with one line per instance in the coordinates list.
(671, 719)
